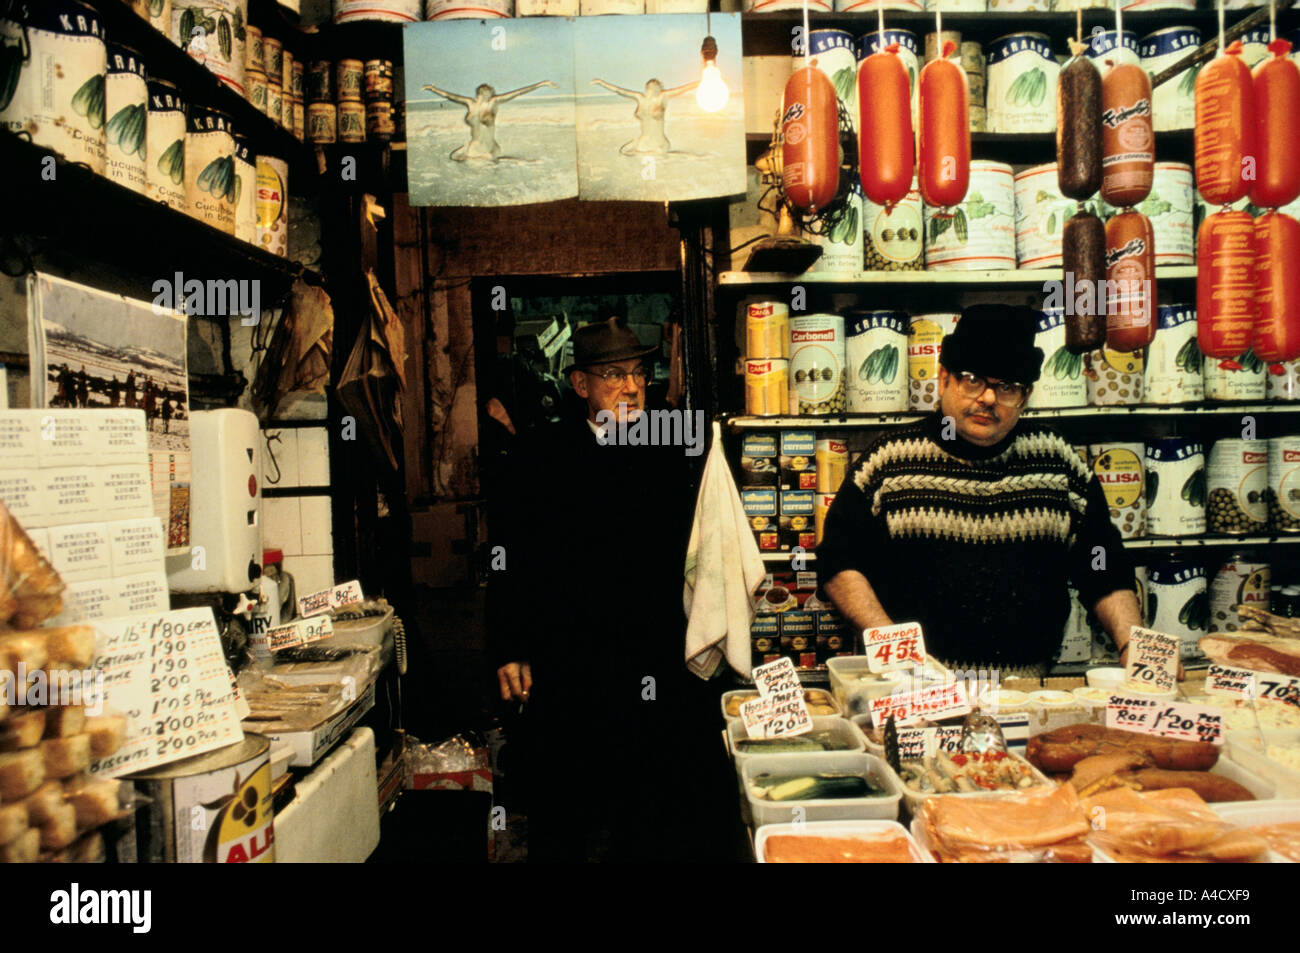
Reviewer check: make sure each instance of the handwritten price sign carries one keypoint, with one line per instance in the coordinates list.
(917, 743)
(1166, 719)
(1153, 658)
(779, 709)
(1281, 688)
(893, 647)
(1230, 681)
(300, 632)
(939, 701)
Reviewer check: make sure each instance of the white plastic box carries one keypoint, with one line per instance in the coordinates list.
(867, 766)
(727, 696)
(1251, 813)
(839, 829)
(1244, 753)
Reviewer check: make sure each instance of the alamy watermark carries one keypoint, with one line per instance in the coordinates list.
(652, 428)
(38, 688)
(231, 297)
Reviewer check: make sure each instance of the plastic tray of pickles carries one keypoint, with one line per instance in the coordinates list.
(818, 700)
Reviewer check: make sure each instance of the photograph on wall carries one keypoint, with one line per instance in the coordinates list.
(100, 350)
(490, 112)
(648, 127)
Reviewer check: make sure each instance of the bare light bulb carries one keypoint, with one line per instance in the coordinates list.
(712, 93)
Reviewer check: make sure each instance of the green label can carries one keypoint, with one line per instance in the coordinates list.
(352, 122)
(165, 145)
(210, 181)
(348, 76)
(126, 114)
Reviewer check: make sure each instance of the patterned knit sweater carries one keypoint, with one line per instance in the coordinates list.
(977, 543)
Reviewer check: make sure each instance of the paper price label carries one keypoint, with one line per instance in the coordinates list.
(778, 676)
(892, 647)
(335, 597)
(1230, 681)
(938, 701)
(947, 738)
(1166, 719)
(778, 715)
(315, 603)
(300, 632)
(1281, 688)
(347, 594)
(1130, 714)
(1153, 658)
(914, 743)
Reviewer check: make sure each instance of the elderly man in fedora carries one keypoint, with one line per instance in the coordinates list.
(591, 629)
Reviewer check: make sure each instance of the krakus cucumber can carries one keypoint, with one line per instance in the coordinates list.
(126, 111)
(213, 32)
(1178, 603)
(52, 75)
(1021, 87)
(876, 355)
(1173, 364)
(210, 181)
(1175, 487)
(835, 54)
(1173, 103)
(1061, 383)
(165, 145)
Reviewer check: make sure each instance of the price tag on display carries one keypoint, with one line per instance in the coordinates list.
(1153, 658)
(335, 597)
(167, 674)
(1282, 688)
(937, 701)
(779, 710)
(914, 743)
(892, 647)
(349, 593)
(1226, 680)
(1166, 719)
(1130, 714)
(300, 632)
(947, 738)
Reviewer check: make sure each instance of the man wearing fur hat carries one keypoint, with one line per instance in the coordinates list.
(973, 522)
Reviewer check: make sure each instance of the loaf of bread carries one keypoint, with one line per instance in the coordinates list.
(64, 721)
(71, 646)
(42, 803)
(21, 773)
(23, 849)
(13, 821)
(65, 756)
(95, 802)
(25, 647)
(107, 734)
(61, 829)
(23, 730)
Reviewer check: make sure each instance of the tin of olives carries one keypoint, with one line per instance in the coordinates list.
(348, 80)
(272, 58)
(1238, 483)
(274, 101)
(319, 82)
(1284, 483)
(322, 123)
(379, 119)
(352, 122)
(255, 83)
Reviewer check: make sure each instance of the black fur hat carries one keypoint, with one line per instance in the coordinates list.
(994, 340)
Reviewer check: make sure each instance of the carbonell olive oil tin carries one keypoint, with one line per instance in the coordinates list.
(924, 340)
(876, 359)
(817, 379)
(215, 808)
(1061, 383)
(1173, 363)
(52, 76)
(1283, 381)
(1238, 483)
(213, 32)
(245, 190)
(1284, 484)
(273, 205)
(165, 145)
(1175, 487)
(1239, 581)
(210, 168)
(1119, 469)
(1177, 602)
(126, 109)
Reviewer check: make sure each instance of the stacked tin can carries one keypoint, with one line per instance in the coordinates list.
(377, 85)
(348, 82)
(322, 114)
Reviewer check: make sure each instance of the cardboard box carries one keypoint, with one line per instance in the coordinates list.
(144, 592)
(73, 495)
(23, 492)
(760, 505)
(19, 440)
(121, 436)
(758, 460)
(799, 637)
(310, 745)
(797, 463)
(65, 437)
(81, 551)
(89, 600)
(765, 638)
(128, 491)
(136, 545)
(796, 525)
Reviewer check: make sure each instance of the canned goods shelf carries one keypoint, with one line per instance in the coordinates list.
(782, 558)
(1210, 542)
(1021, 276)
(868, 421)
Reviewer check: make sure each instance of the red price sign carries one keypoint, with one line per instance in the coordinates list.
(1153, 658)
(893, 647)
(1281, 688)
(939, 701)
(1226, 680)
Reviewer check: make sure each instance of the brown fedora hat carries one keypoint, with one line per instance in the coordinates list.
(604, 342)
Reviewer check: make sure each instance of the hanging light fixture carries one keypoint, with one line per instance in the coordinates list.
(712, 93)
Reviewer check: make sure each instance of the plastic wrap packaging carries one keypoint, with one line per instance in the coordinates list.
(1169, 826)
(30, 589)
(461, 763)
(1044, 827)
(306, 687)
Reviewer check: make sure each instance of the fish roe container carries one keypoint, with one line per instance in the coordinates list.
(245, 190)
(1041, 213)
(255, 84)
(1021, 90)
(295, 81)
(1237, 477)
(497, 9)
(1282, 381)
(214, 33)
(767, 330)
(876, 361)
(298, 123)
(379, 120)
(286, 73)
(891, 238)
(126, 114)
(1173, 103)
(1284, 484)
(55, 62)
(1119, 468)
(1239, 378)
(377, 80)
(1061, 383)
(834, 53)
(1178, 603)
(767, 387)
(841, 239)
(933, 41)
(817, 379)
(924, 338)
(273, 205)
(1170, 207)
(1240, 581)
(165, 145)
(1103, 46)
(980, 233)
(1114, 378)
(210, 168)
(385, 11)
(1173, 363)
(1175, 487)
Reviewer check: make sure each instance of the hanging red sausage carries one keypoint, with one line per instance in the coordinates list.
(885, 147)
(810, 134)
(1277, 288)
(1225, 284)
(1225, 129)
(1130, 282)
(943, 112)
(1128, 141)
(1277, 111)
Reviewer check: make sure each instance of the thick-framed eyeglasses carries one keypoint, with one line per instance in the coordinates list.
(1008, 393)
(613, 376)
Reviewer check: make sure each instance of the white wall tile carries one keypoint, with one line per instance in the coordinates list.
(313, 457)
(317, 529)
(310, 573)
(282, 525)
(285, 450)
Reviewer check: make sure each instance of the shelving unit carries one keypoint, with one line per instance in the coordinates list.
(1027, 277)
(874, 421)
